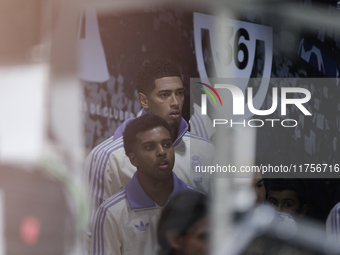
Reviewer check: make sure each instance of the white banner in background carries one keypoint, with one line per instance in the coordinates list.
(238, 57)
(92, 61)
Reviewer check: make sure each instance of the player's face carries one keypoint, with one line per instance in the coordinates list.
(286, 201)
(166, 100)
(153, 154)
(259, 189)
(195, 241)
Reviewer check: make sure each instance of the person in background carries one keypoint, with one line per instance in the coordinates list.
(288, 196)
(259, 188)
(333, 223)
(183, 228)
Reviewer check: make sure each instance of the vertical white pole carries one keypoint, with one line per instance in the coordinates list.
(2, 224)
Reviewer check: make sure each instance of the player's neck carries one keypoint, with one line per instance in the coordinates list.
(158, 191)
(174, 133)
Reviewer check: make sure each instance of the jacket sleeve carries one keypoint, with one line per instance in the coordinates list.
(102, 174)
(107, 235)
(106, 172)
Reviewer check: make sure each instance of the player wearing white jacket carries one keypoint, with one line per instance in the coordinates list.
(161, 92)
(110, 169)
(126, 223)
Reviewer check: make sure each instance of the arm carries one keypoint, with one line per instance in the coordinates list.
(101, 182)
(107, 236)
(102, 174)
(105, 168)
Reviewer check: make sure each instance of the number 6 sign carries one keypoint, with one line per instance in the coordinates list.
(237, 56)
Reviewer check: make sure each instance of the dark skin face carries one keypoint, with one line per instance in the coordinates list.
(286, 201)
(153, 154)
(193, 242)
(259, 189)
(166, 101)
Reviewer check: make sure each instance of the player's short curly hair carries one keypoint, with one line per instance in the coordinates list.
(141, 124)
(152, 70)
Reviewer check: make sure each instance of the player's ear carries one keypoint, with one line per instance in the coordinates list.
(303, 210)
(174, 240)
(133, 159)
(143, 100)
